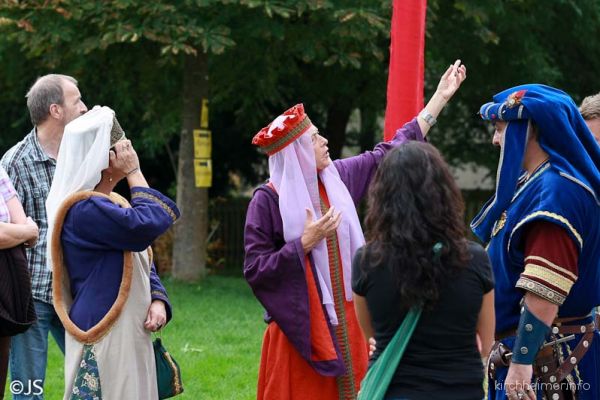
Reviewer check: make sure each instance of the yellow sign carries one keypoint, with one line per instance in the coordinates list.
(203, 172)
(204, 114)
(202, 143)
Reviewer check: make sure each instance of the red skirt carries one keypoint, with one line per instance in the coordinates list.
(285, 375)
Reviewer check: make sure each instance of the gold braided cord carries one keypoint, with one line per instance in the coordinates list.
(548, 276)
(164, 205)
(565, 222)
(552, 265)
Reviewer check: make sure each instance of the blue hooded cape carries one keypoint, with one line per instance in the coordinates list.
(562, 133)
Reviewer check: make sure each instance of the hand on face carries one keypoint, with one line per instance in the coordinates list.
(451, 80)
(123, 159)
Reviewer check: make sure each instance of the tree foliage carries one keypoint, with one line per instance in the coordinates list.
(294, 41)
(265, 55)
(505, 44)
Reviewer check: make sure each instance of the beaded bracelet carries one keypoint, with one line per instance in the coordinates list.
(133, 171)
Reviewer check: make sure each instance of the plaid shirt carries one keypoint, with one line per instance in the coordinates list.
(31, 171)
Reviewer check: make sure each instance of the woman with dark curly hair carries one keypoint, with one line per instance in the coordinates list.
(415, 207)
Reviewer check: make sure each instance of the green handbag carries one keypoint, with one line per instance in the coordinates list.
(168, 373)
(377, 380)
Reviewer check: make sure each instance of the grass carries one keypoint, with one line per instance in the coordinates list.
(215, 336)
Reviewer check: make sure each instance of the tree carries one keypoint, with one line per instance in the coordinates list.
(183, 37)
(505, 44)
(53, 28)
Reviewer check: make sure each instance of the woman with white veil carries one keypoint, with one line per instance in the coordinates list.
(106, 291)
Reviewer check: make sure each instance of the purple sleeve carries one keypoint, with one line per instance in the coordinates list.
(101, 224)
(275, 269)
(158, 291)
(267, 257)
(7, 190)
(356, 172)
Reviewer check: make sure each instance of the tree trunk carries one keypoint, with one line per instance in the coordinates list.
(337, 120)
(368, 127)
(189, 244)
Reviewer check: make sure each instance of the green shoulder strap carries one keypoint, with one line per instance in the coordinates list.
(378, 378)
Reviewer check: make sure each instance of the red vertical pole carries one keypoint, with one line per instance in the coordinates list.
(407, 64)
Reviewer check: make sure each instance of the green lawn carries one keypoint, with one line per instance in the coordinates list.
(215, 337)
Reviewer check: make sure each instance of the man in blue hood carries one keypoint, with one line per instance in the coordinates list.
(541, 227)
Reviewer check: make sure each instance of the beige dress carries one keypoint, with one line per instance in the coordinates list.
(121, 346)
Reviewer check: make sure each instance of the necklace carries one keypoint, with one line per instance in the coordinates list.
(528, 175)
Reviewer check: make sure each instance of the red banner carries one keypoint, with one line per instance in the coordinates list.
(407, 64)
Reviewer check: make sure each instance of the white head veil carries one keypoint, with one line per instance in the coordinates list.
(83, 154)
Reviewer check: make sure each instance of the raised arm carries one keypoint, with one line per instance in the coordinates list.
(356, 172)
(448, 85)
(133, 229)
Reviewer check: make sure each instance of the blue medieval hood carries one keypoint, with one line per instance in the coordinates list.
(562, 133)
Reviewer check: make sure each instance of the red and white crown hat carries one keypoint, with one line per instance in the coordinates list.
(284, 129)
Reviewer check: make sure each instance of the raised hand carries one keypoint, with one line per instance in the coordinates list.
(451, 80)
(449, 84)
(315, 231)
(123, 160)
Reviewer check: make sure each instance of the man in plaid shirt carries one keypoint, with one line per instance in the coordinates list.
(53, 101)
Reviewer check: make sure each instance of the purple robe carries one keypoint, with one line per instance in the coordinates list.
(275, 269)
(95, 233)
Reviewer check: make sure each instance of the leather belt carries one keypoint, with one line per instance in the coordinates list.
(547, 366)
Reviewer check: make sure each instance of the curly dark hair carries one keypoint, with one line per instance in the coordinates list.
(413, 204)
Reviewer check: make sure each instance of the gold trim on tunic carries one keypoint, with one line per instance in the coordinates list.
(541, 290)
(554, 266)
(545, 274)
(565, 222)
(164, 205)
